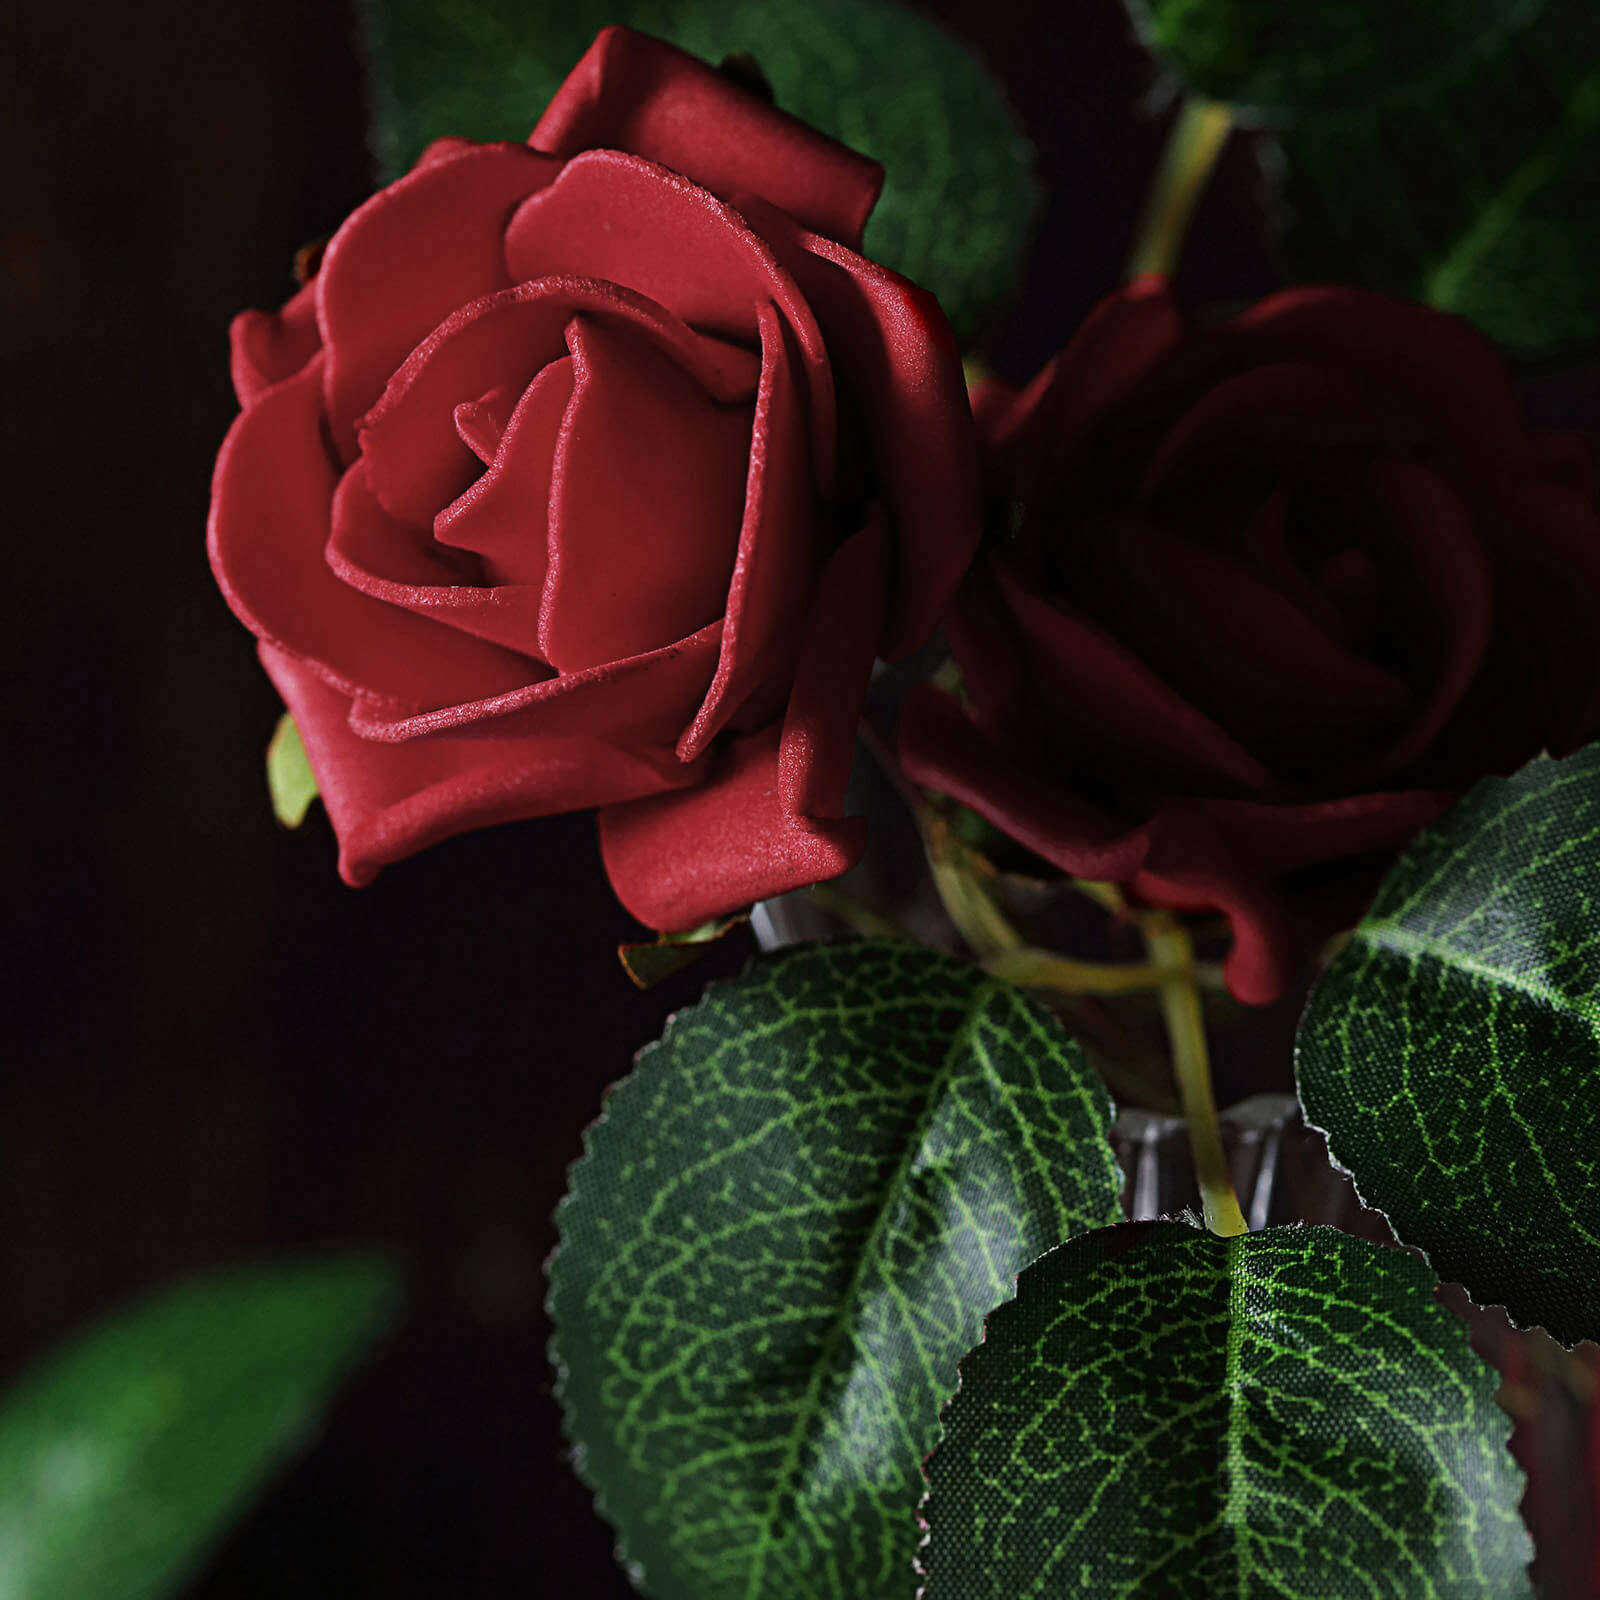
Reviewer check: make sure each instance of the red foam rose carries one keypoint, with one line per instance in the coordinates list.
(1262, 599)
(539, 498)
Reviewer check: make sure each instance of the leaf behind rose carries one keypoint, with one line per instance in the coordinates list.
(1447, 153)
(959, 193)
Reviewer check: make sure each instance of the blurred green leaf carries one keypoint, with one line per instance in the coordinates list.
(290, 780)
(959, 195)
(127, 1450)
(1448, 153)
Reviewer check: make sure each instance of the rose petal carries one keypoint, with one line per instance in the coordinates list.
(390, 561)
(1109, 707)
(416, 461)
(265, 347)
(1439, 590)
(778, 545)
(819, 732)
(1284, 838)
(1444, 372)
(676, 861)
(639, 94)
(642, 700)
(504, 515)
(481, 423)
(1243, 653)
(1280, 418)
(402, 262)
(1026, 440)
(271, 500)
(646, 497)
(387, 802)
(894, 350)
(1177, 858)
(626, 220)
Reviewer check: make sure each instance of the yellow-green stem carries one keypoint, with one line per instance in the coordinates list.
(1172, 951)
(1044, 969)
(1195, 142)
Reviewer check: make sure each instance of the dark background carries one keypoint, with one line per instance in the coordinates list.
(220, 1051)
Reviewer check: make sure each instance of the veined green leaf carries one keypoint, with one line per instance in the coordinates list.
(126, 1451)
(785, 1231)
(959, 195)
(1277, 1416)
(1452, 1052)
(290, 780)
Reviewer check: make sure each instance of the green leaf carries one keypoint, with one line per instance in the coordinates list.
(1274, 60)
(784, 1233)
(290, 780)
(959, 195)
(127, 1451)
(651, 961)
(1452, 1053)
(1277, 1416)
(1448, 153)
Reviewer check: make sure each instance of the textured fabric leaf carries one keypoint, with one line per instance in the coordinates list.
(1286, 1415)
(786, 1230)
(126, 1451)
(290, 780)
(1282, 60)
(959, 195)
(1452, 1053)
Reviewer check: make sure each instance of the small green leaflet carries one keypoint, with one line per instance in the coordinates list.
(1279, 1416)
(786, 1229)
(127, 1451)
(1449, 153)
(1452, 1052)
(652, 961)
(959, 195)
(290, 780)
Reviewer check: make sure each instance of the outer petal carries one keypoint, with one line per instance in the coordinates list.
(779, 546)
(373, 552)
(642, 700)
(1120, 341)
(634, 93)
(265, 347)
(407, 258)
(1438, 365)
(819, 732)
(389, 801)
(894, 350)
(271, 502)
(646, 497)
(416, 460)
(678, 860)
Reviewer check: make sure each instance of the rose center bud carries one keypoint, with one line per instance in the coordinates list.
(612, 494)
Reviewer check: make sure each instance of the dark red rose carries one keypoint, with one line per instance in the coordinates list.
(1266, 596)
(596, 471)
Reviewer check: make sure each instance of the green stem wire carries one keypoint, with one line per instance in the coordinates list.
(1172, 951)
(1193, 145)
